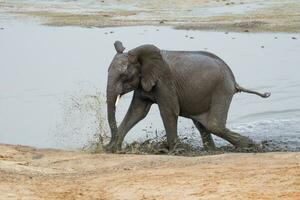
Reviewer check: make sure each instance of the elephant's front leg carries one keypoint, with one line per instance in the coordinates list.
(137, 111)
(170, 123)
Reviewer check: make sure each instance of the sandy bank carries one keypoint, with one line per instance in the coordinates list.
(225, 15)
(29, 173)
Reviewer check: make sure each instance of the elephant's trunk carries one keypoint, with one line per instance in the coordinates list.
(112, 97)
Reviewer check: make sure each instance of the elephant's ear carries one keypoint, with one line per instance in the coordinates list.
(119, 47)
(151, 62)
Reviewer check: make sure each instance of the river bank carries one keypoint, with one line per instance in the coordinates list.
(218, 15)
(31, 173)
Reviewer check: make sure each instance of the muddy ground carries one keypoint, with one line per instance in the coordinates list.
(30, 173)
(221, 15)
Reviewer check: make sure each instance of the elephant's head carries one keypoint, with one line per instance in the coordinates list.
(139, 68)
(121, 80)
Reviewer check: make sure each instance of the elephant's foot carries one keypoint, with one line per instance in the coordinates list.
(173, 144)
(246, 144)
(111, 148)
(238, 140)
(208, 143)
(209, 146)
(108, 148)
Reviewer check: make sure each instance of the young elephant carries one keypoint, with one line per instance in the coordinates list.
(192, 84)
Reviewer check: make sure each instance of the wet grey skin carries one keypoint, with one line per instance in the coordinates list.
(192, 84)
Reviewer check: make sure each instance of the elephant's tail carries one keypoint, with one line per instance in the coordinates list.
(241, 89)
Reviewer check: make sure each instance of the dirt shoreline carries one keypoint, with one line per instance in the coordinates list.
(218, 15)
(31, 173)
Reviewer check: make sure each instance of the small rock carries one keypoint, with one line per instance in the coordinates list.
(186, 36)
(37, 156)
(106, 33)
(157, 29)
(191, 37)
(227, 4)
(232, 2)
(275, 38)
(23, 163)
(233, 38)
(1, 28)
(226, 32)
(247, 31)
(102, 1)
(262, 47)
(162, 22)
(294, 38)
(111, 32)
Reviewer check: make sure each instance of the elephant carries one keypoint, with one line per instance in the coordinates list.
(193, 84)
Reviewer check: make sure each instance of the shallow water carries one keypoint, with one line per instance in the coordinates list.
(42, 67)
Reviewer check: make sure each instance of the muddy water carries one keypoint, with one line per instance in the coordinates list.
(43, 67)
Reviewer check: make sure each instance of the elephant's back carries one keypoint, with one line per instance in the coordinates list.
(192, 63)
(197, 75)
(191, 59)
(197, 63)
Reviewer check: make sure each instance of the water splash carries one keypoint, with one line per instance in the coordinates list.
(84, 122)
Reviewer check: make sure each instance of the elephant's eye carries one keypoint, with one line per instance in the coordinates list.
(130, 79)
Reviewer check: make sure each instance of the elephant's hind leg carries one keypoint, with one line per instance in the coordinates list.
(216, 122)
(207, 140)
